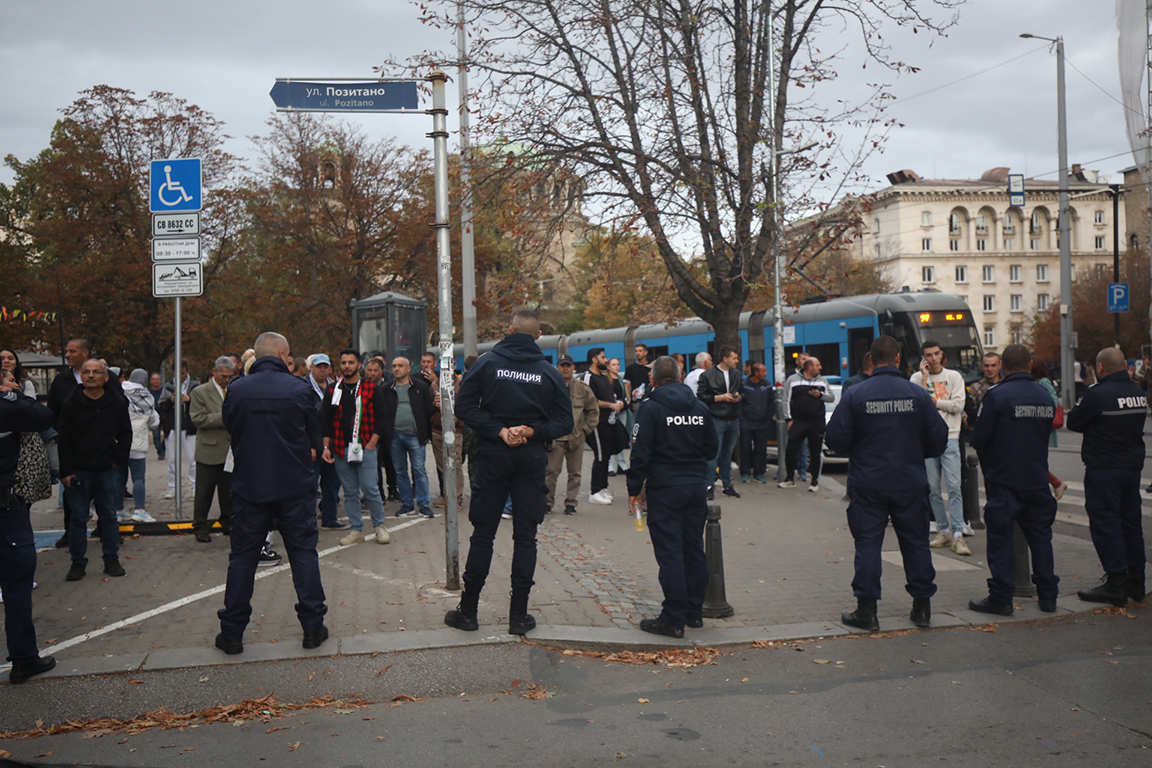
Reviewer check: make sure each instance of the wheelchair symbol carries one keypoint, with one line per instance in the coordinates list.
(174, 187)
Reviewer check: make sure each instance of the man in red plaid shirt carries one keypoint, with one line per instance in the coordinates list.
(357, 415)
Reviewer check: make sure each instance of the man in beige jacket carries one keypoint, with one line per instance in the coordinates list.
(570, 449)
(212, 445)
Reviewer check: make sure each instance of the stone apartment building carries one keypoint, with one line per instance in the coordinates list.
(962, 237)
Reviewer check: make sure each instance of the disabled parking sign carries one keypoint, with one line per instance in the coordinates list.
(175, 185)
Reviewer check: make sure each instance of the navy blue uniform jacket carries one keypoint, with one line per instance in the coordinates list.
(275, 426)
(673, 440)
(1111, 415)
(887, 426)
(1011, 433)
(514, 385)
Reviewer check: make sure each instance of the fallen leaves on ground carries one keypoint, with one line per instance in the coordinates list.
(402, 699)
(264, 709)
(537, 692)
(675, 658)
(294, 746)
(1116, 610)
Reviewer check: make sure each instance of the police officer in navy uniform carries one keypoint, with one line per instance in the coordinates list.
(515, 401)
(1011, 439)
(18, 413)
(275, 430)
(888, 427)
(673, 441)
(1111, 415)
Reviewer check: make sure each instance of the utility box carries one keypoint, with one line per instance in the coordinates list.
(390, 324)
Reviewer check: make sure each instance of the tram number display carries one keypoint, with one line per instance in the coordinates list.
(942, 318)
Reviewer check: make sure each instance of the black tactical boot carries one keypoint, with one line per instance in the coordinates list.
(464, 615)
(1136, 587)
(922, 611)
(520, 622)
(864, 617)
(1113, 589)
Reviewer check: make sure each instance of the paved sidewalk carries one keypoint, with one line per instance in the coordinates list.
(787, 558)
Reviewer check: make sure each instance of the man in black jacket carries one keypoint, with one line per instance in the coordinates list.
(673, 442)
(17, 544)
(515, 401)
(721, 389)
(602, 440)
(757, 414)
(1111, 415)
(95, 438)
(411, 432)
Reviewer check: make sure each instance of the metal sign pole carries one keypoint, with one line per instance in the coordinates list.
(178, 443)
(467, 249)
(447, 359)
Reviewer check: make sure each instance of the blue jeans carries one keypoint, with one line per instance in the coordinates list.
(727, 433)
(357, 478)
(406, 447)
(136, 467)
(93, 486)
(949, 465)
(158, 441)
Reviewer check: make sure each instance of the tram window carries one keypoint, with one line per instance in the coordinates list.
(829, 357)
(655, 352)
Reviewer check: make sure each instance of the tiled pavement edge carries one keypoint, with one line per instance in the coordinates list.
(788, 564)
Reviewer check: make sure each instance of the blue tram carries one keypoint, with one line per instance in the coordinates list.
(838, 332)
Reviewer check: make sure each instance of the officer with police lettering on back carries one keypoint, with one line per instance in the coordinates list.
(888, 426)
(1011, 439)
(673, 442)
(515, 401)
(1111, 415)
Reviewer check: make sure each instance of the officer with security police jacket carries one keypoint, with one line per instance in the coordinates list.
(888, 427)
(672, 443)
(1011, 439)
(515, 401)
(1111, 415)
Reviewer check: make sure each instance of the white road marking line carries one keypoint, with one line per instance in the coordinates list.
(166, 607)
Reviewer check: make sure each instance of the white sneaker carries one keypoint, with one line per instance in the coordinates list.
(140, 516)
(967, 530)
(933, 528)
(600, 497)
(813, 489)
(123, 516)
(382, 535)
(505, 516)
(786, 484)
(171, 494)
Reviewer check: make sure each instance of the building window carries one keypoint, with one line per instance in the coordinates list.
(925, 218)
(989, 336)
(989, 303)
(1014, 273)
(953, 244)
(1014, 303)
(1099, 217)
(1009, 244)
(1042, 302)
(1041, 273)
(876, 226)
(1017, 335)
(1009, 223)
(954, 225)
(981, 224)
(1035, 244)
(877, 250)
(1035, 228)
(1099, 243)
(926, 244)
(927, 275)
(981, 244)
(988, 273)
(961, 274)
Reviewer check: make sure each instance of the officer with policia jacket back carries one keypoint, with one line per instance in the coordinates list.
(1111, 415)
(672, 444)
(888, 426)
(1011, 439)
(515, 401)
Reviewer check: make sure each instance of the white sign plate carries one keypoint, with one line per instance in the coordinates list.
(172, 224)
(176, 249)
(184, 278)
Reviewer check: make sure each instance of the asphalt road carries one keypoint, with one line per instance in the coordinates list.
(1068, 692)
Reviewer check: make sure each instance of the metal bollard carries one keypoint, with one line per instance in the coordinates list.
(970, 489)
(715, 600)
(1023, 572)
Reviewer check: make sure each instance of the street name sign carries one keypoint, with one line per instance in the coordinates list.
(1117, 297)
(355, 96)
(175, 185)
(174, 279)
(176, 249)
(175, 224)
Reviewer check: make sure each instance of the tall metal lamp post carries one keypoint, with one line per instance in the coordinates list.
(1067, 357)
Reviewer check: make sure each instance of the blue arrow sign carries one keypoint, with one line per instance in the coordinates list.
(362, 96)
(1117, 297)
(175, 185)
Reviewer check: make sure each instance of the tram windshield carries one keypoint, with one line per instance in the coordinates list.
(956, 334)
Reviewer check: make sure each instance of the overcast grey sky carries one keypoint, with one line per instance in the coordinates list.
(225, 56)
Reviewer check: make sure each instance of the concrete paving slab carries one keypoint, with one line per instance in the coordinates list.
(604, 638)
(391, 642)
(95, 665)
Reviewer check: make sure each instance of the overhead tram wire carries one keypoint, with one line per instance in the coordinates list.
(969, 77)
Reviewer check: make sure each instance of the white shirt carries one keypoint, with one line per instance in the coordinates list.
(219, 388)
(693, 378)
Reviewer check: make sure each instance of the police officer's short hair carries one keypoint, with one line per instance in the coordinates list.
(884, 351)
(665, 369)
(1016, 358)
(594, 353)
(348, 351)
(526, 321)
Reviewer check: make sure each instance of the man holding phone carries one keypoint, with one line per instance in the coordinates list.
(721, 389)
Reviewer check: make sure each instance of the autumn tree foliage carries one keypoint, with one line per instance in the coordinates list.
(76, 225)
(1091, 319)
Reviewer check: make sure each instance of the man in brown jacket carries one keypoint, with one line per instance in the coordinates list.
(570, 449)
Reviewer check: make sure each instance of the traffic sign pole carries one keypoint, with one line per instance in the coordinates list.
(177, 442)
